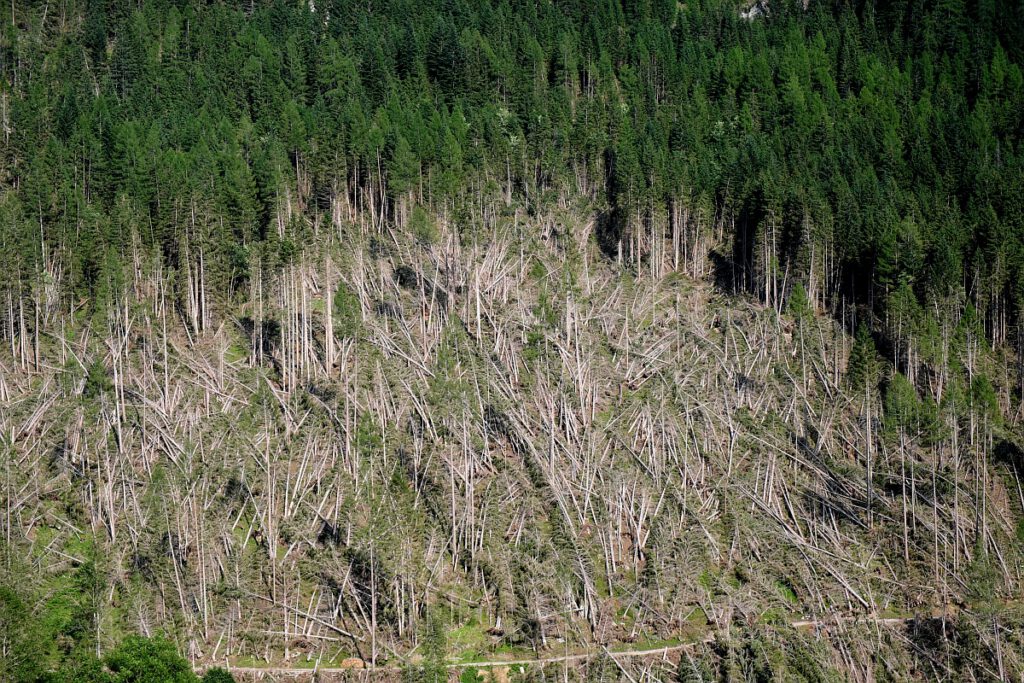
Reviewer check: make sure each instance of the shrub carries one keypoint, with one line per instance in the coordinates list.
(218, 675)
(148, 660)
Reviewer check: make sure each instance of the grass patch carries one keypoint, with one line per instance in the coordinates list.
(468, 641)
(236, 352)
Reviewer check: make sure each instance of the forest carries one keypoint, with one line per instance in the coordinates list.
(634, 339)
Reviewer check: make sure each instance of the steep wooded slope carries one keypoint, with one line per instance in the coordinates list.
(343, 328)
(509, 431)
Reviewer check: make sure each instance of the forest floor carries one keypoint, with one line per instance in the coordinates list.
(357, 666)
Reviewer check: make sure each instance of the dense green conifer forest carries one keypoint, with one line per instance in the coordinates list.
(868, 152)
(404, 333)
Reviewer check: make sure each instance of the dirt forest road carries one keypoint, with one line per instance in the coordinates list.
(362, 671)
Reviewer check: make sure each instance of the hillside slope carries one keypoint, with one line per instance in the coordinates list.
(504, 432)
(413, 334)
